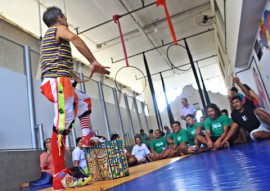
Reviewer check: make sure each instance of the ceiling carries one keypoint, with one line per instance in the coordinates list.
(104, 41)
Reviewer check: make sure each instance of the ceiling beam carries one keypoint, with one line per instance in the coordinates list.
(187, 37)
(155, 23)
(128, 13)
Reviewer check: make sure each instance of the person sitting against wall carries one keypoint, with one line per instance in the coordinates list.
(255, 98)
(170, 138)
(234, 92)
(240, 135)
(202, 119)
(46, 165)
(159, 147)
(217, 126)
(140, 151)
(255, 121)
(151, 135)
(181, 141)
(193, 129)
(167, 130)
(131, 159)
(144, 137)
(78, 157)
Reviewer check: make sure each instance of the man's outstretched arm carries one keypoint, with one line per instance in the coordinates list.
(64, 33)
(243, 88)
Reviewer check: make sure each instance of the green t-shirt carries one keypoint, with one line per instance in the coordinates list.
(180, 137)
(170, 135)
(143, 138)
(216, 126)
(191, 130)
(158, 144)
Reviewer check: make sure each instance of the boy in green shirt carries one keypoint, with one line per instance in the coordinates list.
(193, 129)
(159, 147)
(144, 137)
(181, 140)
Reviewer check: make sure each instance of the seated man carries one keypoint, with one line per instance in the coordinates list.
(181, 140)
(245, 115)
(132, 160)
(216, 126)
(159, 147)
(234, 92)
(193, 129)
(170, 139)
(78, 156)
(140, 151)
(239, 136)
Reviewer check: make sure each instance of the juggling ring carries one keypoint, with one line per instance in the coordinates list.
(126, 67)
(116, 20)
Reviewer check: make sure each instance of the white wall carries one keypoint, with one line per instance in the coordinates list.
(15, 122)
(220, 4)
(261, 66)
(233, 18)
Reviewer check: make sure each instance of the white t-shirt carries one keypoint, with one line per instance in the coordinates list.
(140, 151)
(79, 155)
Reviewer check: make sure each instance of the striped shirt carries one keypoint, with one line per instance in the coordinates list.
(55, 58)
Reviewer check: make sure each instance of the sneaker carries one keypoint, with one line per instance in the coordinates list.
(101, 140)
(57, 184)
(87, 140)
(97, 140)
(70, 181)
(64, 179)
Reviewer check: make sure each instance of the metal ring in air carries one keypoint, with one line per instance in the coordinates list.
(173, 66)
(121, 69)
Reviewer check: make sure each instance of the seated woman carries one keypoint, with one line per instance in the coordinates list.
(159, 147)
(46, 165)
(132, 160)
(217, 126)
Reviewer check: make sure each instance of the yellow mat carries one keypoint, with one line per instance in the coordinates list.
(135, 172)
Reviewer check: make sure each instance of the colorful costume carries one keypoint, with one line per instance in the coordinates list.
(56, 67)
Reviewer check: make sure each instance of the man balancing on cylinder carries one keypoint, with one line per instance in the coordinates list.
(57, 78)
